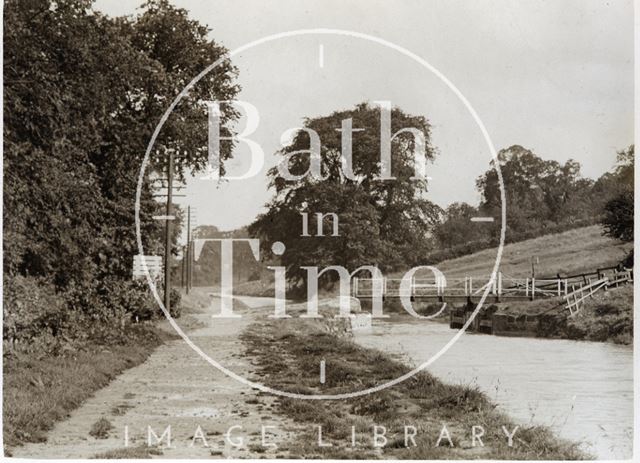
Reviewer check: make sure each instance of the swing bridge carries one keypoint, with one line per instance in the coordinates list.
(571, 290)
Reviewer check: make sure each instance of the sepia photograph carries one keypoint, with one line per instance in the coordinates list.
(326, 230)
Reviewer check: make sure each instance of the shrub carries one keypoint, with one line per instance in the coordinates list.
(39, 319)
(132, 298)
(32, 309)
(100, 429)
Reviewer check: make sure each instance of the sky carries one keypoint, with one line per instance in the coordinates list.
(553, 76)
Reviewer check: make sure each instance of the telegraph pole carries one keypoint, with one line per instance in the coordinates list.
(183, 267)
(188, 255)
(167, 243)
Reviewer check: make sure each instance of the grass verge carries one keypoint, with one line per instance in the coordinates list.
(288, 357)
(40, 390)
(134, 453)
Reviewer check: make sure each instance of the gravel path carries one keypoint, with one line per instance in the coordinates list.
(176, 388)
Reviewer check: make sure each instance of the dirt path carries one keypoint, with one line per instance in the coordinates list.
(176, 388)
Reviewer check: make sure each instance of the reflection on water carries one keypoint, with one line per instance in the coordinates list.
(582, 390)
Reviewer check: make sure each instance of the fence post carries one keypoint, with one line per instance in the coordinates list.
(533, 288)
(499, 283)
(526, 286)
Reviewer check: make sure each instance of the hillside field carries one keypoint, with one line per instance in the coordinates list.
(574, 251)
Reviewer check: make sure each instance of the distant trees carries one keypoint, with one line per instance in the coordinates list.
(542, 196)
(456, 227)
(206, 270)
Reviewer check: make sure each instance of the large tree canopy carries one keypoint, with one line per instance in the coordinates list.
(381, 222)
(82, 95)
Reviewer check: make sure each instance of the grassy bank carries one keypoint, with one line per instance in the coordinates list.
(40, 390)
(607, 317)
(288, 357)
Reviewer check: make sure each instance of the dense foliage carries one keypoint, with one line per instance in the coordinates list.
(618, 219)
(380, 222)
(618, 212)
(82, 95)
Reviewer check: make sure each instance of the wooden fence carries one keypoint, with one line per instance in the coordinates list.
(575, 299)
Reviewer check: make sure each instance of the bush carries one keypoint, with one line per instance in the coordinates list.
(32, 309)
(618, 217)
(100, 429)
(132, 298)
(39, 319)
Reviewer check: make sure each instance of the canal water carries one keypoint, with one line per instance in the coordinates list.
(582, 390)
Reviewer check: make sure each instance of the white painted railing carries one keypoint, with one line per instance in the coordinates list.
(467, 286)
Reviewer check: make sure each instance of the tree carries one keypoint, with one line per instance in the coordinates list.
(540, 194)
(457, 228)
(618, 211)
(83, 93)
(625, 162)
(382, 223)
(613, 184)
(618, 217)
